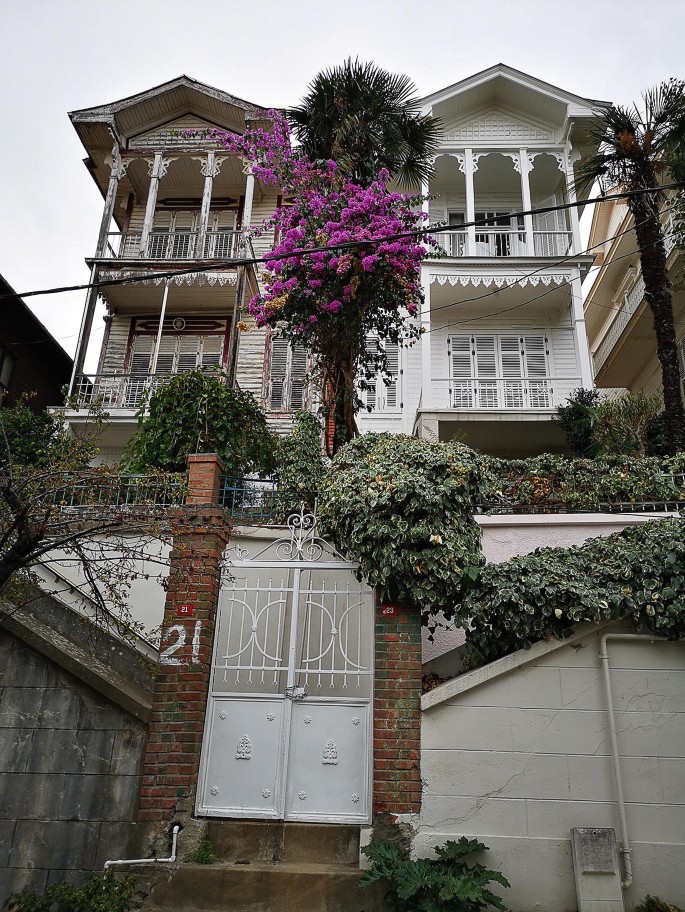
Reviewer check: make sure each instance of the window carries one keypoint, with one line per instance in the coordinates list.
(499, 371)
(287, 372)
(384, 395)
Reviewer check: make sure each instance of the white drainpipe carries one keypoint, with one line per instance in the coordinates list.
(604, 656)
(139, 861)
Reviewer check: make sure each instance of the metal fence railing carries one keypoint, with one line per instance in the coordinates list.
(96, 491)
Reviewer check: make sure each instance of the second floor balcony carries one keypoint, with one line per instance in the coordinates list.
(116, 390)
(505, 242)
(174, 245)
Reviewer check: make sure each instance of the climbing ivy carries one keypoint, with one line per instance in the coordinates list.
(638, 574)
(403, 508)
(300, 465)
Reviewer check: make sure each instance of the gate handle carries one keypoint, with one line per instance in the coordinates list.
(295, 693)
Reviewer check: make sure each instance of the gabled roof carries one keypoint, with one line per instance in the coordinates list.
(502, 71)
(105, 112)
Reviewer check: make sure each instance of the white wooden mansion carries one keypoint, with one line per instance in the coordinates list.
(504, 337)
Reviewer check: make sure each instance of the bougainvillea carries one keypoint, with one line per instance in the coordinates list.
(346, 267)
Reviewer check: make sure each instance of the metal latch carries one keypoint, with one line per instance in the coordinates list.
(295, 693)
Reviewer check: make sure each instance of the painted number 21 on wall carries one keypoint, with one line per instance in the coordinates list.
(180, 633)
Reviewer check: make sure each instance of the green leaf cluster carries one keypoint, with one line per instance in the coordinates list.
(196, 412)
(448, 883)
(102, 892)
(403, 508)
(550, 482)
(300, 466)
(638, 574)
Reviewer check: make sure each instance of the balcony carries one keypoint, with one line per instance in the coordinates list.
(505, 242)
(174, 245)
(490, 394)
(117, 391)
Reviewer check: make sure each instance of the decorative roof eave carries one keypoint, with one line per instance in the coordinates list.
(105, 113)
(577, 102)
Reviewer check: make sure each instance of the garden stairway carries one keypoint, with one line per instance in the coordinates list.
(266, 866)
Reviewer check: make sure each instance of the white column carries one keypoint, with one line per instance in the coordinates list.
(84, 334)
(249, 199)
(157, 168)
(525, 168)
(118, 166)
(207, 168)
(427, 397)
(470, 202)
(569, 158)
(578, 318)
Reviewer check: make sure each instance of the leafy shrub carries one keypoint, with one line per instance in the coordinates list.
(638, 573)
(577, 420)
(196, 412)
(403, 508)
(299, 464)
(448, 883)
(654, 904)
(621, 426)
(102, 892)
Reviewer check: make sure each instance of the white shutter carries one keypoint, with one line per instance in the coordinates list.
(510, 349)
(392, 354)
(485, 355)
(167, 355)
(141, 354)
(535, 355)
(461, 366)
(298, 369)
(278, 370)
(370, 395)
(212, 349)
(188, 353)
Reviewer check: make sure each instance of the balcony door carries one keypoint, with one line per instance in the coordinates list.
(499, 371)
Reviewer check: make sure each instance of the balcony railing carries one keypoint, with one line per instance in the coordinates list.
(115, 390)
(499, 393)
(504, 242)
(173, 245)
(631, 302)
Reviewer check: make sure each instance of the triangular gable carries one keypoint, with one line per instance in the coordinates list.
(495, 126)
(166, 134)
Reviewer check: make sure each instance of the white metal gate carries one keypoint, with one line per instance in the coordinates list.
(289, 719)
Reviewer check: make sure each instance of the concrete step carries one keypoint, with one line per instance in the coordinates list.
(253, 887)
(272, 841)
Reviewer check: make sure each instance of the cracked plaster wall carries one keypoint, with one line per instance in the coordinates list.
(521, 758)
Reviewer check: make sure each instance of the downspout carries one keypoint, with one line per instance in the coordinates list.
(139, 861)
(625, 849)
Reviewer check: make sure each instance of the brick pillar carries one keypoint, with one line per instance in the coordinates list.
(397, 711)
(204, 478)
(201, 531)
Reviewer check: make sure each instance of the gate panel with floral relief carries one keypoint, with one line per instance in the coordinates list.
(289, 724)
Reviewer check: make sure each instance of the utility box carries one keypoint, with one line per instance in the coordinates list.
(596, 869)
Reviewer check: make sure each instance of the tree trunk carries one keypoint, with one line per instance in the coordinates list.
(650, 240)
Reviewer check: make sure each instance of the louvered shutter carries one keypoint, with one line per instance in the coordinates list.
(461, 365)
(298, 369)
(485, 357)
(392, 354)
(188, 353)
(141, 354)
(160, 236)
(512, 370)
(212, 349)
(370, 395)
(535, 358)
(167, 355)
(278, 369)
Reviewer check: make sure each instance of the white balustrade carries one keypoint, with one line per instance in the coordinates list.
(500, 393)
(180, 244)
(117, 390)
(505, 242)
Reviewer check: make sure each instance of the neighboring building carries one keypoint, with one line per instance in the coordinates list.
(504, 339)
(619, 321)
(31, 361)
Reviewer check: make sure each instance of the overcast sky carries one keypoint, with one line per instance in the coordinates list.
(60, 55)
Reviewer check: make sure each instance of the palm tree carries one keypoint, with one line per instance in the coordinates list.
(365, 119)
(636, 148)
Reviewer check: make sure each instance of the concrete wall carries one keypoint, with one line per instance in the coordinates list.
(69, 753)
(509, 535)
(518, 752)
